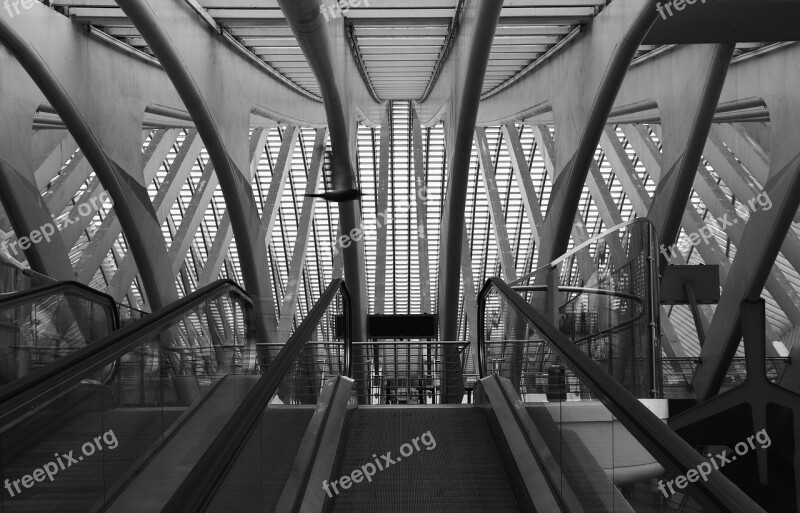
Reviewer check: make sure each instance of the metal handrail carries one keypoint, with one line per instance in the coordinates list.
(582, 246)
(599, 292)
(670, 450)
(198, 488)
(28, 392)
(73, 287)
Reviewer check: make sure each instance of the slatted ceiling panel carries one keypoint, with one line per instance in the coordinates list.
(400, 42)
(399, 61)
(741, 49)
(260, 26)
(517, 46)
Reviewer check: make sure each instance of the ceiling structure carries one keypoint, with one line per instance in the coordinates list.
(400, 48)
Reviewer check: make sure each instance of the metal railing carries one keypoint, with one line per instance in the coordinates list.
(603, 295)
(403, 372)
(392, 372)
(679, 372)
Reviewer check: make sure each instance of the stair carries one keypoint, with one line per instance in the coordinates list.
(461, 473)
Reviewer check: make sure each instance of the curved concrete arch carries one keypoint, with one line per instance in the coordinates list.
(24, 207)
(131, 201)
(224, 132)
(771, 77)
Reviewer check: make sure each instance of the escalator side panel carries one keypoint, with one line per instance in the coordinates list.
(516, 478)
(154, 486)
(76, 488)
(580, 467)
(255, 481)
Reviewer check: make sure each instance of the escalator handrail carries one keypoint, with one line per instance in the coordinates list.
(199, 486)
(26, 393)
(73, 287)
(669, 449)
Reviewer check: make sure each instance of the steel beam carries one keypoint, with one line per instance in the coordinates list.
(382, 205)
(51, 150)
(280, 173)
(719, 206)
(578, 229)
(638, 196)
(110, 228)
(421, 213)
(496, 213)
(470, 295)
(219, 248)
(165, 198)
(709, 249)
(81, 217)
(64, 186)
(519, 164)
(297, 264)
(760, 245)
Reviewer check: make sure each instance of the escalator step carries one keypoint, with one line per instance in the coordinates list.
(461, 472)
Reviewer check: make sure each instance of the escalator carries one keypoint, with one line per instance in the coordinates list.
(76, 432)
(495, 455)
(186, 425)
(457, 468)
